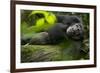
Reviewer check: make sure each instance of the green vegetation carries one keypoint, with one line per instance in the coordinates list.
(30, 26)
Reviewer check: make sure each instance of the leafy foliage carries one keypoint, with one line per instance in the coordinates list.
(37, 21)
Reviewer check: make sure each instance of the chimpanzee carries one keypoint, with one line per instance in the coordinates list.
(67, 27)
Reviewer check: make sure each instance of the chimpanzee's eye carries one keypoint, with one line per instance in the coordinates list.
(77, 25)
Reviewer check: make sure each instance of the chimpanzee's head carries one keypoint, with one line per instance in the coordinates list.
(75, 31)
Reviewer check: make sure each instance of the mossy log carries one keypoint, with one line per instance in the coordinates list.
(44, 53)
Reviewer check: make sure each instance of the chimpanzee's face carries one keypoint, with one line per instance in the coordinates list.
(75, 31)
